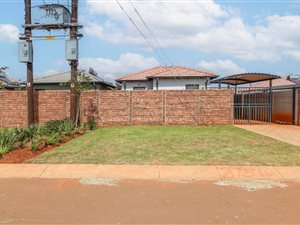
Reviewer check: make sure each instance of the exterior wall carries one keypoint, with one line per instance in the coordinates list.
(166, 84)
(194, 107)
(49, 105)
(198, 107)
(178, 84)
(13, 111)
(130, 84)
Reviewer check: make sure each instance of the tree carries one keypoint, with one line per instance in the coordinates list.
(82, 84)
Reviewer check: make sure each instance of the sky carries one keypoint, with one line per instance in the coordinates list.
(225, 37)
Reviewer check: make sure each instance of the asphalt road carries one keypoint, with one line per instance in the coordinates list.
(92, 201)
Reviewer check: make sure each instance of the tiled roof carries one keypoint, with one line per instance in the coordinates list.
(164, 72)
(275, 83)
(65, 77)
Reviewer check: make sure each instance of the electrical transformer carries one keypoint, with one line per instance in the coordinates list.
(25, 52)
(71, 50)
(52, 14)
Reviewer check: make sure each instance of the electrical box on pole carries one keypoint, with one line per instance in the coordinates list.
(25, 52)
(71, 50)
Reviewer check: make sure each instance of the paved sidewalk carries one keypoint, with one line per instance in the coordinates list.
(285, 133)
(148, 172)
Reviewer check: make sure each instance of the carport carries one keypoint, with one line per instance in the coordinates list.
(259, 105)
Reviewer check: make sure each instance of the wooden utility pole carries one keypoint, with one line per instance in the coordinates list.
(74, 63)
(30, 94)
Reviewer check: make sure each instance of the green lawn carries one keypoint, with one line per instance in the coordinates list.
(180, 145)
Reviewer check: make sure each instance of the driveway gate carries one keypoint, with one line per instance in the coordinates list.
(260, 105)
(252, 106)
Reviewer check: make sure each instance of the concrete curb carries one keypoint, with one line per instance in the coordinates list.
(148, 172)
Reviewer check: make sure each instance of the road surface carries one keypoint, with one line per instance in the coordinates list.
(106, 201)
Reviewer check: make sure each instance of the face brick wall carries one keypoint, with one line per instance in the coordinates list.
(199, 107)
(13, 111)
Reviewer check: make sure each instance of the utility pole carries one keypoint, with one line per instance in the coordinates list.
(30, 94)
(74, 63)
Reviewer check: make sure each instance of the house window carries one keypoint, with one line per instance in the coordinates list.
(191, 86)
(139, 88)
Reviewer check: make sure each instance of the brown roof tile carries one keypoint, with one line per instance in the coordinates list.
(162, 71)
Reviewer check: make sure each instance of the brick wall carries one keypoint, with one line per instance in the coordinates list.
(13, 111)
(49, 105)
(199, 107)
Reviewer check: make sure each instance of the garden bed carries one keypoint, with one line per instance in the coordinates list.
(20, 155)
(20, 144)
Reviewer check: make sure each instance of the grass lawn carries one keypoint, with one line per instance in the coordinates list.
(178, 145)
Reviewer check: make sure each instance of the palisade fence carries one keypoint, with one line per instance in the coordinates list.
(106, 108)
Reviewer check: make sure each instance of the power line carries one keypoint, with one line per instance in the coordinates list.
(141, 33)
(151, 33)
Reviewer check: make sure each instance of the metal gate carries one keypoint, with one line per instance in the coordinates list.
(252, 105)
(261, 105)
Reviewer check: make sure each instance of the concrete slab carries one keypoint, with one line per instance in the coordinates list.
(249, 172)
(189, 173)
(21, 170)
(289, 173)
(148, 172)
(286, 133)
(71, 171)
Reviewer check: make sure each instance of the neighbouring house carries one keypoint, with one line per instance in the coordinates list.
(8, 83)
(55, 81)
(275, 83)
(166, 78)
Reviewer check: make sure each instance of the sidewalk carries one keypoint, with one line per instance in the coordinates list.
(148, 172)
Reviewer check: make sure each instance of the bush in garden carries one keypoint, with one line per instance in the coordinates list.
(26, 134)
(8, 139)
(37, 137)
(65, 126)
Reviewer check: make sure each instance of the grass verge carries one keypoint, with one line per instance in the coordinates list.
(175, 145)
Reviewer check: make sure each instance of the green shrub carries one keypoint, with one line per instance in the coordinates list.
(92, 124)
(65, 126)
(26, 134)
(7, 140)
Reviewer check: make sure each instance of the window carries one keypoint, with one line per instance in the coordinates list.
(139, 88)
(191, 86)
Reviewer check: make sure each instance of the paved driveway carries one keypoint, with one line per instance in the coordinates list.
(286, 133)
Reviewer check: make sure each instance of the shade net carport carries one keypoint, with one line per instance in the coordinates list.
(254, 104)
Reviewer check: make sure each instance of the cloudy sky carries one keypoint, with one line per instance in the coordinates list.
(224, 37)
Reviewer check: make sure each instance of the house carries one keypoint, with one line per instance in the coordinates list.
(55, 81)
(7, 83)
(275, 83)
(166, 78)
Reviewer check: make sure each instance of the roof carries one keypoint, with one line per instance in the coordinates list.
(245, 78)
(65, 77)
(4, 78)
(166, 72)
(275, 83)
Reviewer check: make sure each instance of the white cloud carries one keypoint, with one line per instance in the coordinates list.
(9, 33)
(109, 69)
(221, 67)
(202, 26)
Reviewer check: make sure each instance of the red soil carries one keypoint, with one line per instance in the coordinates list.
(20, 155)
